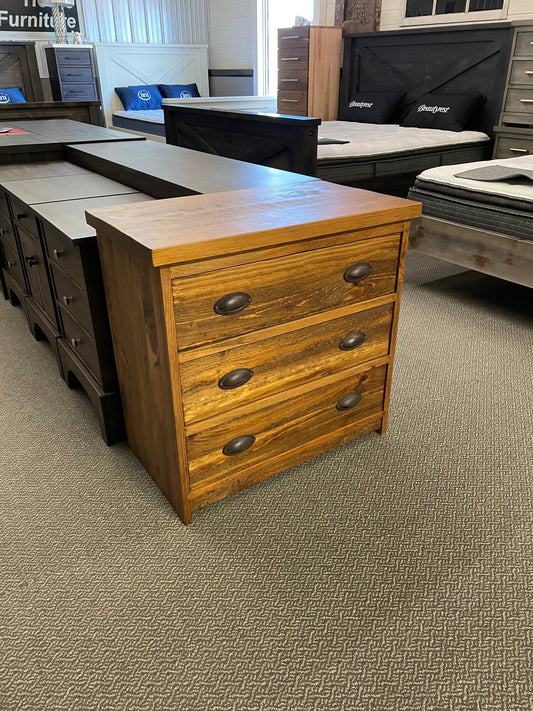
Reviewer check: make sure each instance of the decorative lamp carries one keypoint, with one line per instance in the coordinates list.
(58, 15)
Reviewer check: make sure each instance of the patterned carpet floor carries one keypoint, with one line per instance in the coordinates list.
(391, 574)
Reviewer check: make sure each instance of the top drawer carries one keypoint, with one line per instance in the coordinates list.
(73, 57)
(524, 44)
(23, 216)
(217, 305)
(62, 252)
(293, 37)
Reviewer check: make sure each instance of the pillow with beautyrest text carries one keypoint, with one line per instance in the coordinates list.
(371, 107)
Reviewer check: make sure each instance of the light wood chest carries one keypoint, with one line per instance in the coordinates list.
(252, 329)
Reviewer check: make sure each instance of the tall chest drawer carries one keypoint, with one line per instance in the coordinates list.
(218, 305)
(521, 72)
(519, 101)
(291, 37)
(524, 44)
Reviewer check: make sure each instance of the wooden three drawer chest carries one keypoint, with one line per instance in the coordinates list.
(252, 329)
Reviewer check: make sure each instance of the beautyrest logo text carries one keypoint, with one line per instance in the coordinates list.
(361, 104)
(433, 109)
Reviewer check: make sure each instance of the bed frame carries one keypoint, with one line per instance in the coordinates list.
(483, 251)
(123, 64)
(456, 59)
(18, 68)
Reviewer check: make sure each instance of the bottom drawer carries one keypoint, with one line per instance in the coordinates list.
(293, 102)
(81, 342)
(231, 448)
(79, 92)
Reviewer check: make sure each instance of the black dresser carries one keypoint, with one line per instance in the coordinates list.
(73, 74)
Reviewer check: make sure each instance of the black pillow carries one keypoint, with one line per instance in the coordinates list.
(449, 112)
(371, 107)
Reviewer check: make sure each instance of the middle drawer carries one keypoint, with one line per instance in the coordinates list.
(223, 380)
(216, 305)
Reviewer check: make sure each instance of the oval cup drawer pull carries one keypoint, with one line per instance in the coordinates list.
(238, 445)
(232, 303)
(75, 342)
(21, 215)
(3, 232)
(235, 378)
(348, 401)
(31, 261)
(58, 253)
(357, 272)
(67, 300)
(10, 264)
(352, 340)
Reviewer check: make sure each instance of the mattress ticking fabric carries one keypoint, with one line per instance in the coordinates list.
(501, 204)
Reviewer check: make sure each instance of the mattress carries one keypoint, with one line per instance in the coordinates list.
(369, 139)
(147, 121)
(472, 194)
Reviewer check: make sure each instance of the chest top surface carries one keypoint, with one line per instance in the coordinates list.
(204, 226)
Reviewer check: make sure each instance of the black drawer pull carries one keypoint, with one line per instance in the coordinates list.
(235, 378)
(348, 401)
(357, 272)
(21, 215)
(31, 261)
(238, 445)
(58, 253)
(75, 342)
(352, 340)
(10, 264)
(232, 303)
(67, 300)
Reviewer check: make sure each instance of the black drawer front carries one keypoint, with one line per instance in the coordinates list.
(62, 252)
(12, 263)
(3, 204)
(37, 273)
(81, 343)
(72, 298)
(79, 92)
(6, 232)
(23, 216)
(76, 74)
(73, 57)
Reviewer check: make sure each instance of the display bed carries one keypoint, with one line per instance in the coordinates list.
(413, 63)
(479, 215)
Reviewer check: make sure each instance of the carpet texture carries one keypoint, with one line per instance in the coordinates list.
(391, 574)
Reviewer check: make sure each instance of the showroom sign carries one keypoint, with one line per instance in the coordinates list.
(27, 16)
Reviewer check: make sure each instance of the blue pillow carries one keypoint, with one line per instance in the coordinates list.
(137, 98)
(12, 96)
(179, 91)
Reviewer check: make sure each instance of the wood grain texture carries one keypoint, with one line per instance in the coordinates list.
(246, 220)
(491, 253)
(282, 289)
(139, 335)
(297, 357)
(285, 426)
(324, 72)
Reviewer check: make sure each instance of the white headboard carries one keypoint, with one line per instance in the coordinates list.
(133, 64)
